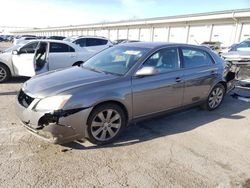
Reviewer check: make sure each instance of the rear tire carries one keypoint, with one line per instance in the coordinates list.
(4, 73)
(215, 97)
(105, 124)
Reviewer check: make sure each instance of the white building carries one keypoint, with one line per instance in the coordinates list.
(227, 27)
(6, 30)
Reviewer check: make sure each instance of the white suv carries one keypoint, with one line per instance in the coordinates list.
(91, 43)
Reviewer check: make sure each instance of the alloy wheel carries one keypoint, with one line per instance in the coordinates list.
(3, 74)
(106, 124)
(215, 98)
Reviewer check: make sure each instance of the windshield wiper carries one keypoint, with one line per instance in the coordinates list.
(112, 73)
(92, 69)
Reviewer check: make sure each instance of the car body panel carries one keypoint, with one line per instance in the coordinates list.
(24, 64)
(155, 94)
(237, 55)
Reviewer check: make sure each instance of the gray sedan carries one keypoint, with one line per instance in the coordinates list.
(120, 85)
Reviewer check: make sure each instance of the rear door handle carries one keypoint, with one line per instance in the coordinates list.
(178, 79)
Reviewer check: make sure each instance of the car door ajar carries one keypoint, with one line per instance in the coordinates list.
(200, 72)
(24, 60)
(160, 92)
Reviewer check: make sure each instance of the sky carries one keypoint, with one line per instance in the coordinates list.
(50, 13)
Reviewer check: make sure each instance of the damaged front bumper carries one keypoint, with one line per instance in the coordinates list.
(56, 127)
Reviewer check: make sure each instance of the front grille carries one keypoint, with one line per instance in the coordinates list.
(24, 99)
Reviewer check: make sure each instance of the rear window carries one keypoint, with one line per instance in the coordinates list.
(60, 48)
(95, 42)
(195, 58)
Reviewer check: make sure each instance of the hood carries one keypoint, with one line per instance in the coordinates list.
(55, 82)
(237, 55)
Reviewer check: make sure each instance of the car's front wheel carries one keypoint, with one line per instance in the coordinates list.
(105, 124)
(4, 73)
(215, 97)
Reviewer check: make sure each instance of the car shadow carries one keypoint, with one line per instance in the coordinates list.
(16, 80)
(171, 124)
(8, 93)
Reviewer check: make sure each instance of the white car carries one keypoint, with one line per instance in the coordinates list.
(91, 43)
(39, 56)
(23, 40)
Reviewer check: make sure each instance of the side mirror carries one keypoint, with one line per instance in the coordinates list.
(15, 52)
(146, 71)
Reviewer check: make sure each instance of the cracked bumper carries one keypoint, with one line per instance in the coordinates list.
(69, 128)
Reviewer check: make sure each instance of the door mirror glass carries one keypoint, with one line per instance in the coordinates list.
(146, 71)
(15, 52)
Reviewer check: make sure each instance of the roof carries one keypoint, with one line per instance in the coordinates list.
(152, 45)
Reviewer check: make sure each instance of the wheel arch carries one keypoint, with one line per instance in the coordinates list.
(77, 63)
(5, 65)
(118, 103)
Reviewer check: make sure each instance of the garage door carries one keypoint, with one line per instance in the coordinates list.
(145, 34)
(123, 34)
(113, 35)
(178, 34)
(84, 32)
(160, 34)
(223, 34)
(198, 34)
(133, 34)
(245, 34)
(91, 32)
(101, 33)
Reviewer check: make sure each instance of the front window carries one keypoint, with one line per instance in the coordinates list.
(116, 60)
(164, 60)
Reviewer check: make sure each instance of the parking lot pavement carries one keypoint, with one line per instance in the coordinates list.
(193, 148)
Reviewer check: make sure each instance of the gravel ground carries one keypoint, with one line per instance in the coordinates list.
(192, 148)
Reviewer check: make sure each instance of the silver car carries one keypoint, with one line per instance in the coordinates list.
(120, 85)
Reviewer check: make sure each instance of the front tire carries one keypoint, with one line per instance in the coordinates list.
(105, 124)
(215, 97)
(4, 73)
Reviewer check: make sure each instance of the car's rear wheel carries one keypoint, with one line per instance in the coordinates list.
(215, 97)
(105, 124)
(4, 73)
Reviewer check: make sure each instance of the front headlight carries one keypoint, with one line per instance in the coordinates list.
(52, 103)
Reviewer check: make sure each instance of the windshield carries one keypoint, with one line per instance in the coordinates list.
(116, 60)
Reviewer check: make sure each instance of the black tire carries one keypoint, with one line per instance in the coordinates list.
(219, 87)
(94, 126)
(5, 73)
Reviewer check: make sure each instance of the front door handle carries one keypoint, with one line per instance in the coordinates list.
(178, 79)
